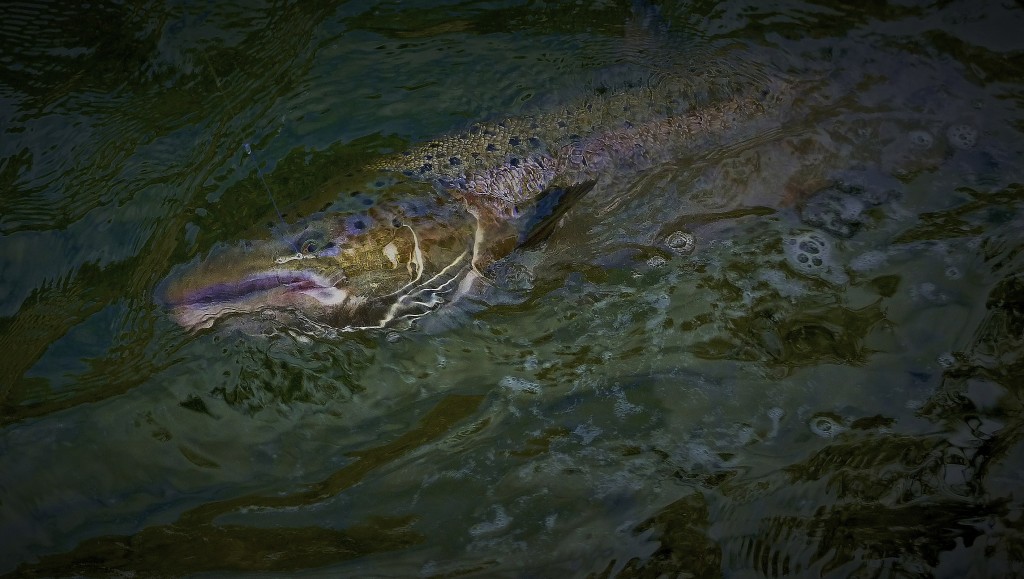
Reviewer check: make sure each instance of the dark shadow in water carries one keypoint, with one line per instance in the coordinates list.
(196, 543)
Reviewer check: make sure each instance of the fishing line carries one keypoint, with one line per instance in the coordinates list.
(259, 173)
(248, 149)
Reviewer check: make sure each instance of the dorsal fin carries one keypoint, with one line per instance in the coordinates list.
(549, 207)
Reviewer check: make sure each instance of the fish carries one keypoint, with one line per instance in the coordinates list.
(445, 210)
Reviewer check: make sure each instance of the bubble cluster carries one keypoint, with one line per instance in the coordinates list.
(517, 385)
(808, 251)
(962, 136)
(655, 261)
(811, 254)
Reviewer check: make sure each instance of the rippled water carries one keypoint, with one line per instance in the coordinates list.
(797, 350)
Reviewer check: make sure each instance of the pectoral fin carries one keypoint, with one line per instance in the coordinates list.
(549, 207)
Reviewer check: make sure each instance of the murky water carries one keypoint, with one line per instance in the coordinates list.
(796, 350)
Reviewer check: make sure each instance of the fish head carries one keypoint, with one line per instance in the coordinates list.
(338, 271)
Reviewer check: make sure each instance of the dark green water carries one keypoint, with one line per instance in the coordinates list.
(829, 384)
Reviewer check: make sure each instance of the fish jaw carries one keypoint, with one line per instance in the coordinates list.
(239, 280)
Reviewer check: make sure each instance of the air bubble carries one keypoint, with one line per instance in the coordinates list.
(826, 426)
(810, 246)
(921, 139)
(681, 242)
(962, 136)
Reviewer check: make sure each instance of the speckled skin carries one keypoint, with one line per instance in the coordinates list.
(448, 208)
(505, 164)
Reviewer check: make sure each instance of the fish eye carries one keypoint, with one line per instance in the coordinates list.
(310, 246)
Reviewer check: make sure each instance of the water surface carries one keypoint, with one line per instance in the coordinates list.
(826, 383)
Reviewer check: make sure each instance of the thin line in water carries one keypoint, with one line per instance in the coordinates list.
(248, 152)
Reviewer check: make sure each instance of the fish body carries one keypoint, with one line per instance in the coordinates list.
(448, 208)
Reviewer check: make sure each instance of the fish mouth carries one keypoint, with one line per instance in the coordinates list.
(288, 281)
(197, 306)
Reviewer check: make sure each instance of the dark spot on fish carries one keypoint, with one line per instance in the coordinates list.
(426, 167)
(514, 141)
(628, 124)
(406, 153)
(358, 223)
(562, 124)
(475, 155)
(514, 162)
(455, 161)
(435, 145)
(379, 184)
(408, 173)
(367, 201)
(428, 157)
(534, 126)
(574, 137)
(491, 147)
(396, 222)
(474, 130)
(534, 142)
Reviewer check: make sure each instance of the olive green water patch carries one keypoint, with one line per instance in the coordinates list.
(197, 543)
(175, 551)
(794, 338)
(681, 530)
(969, 219)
